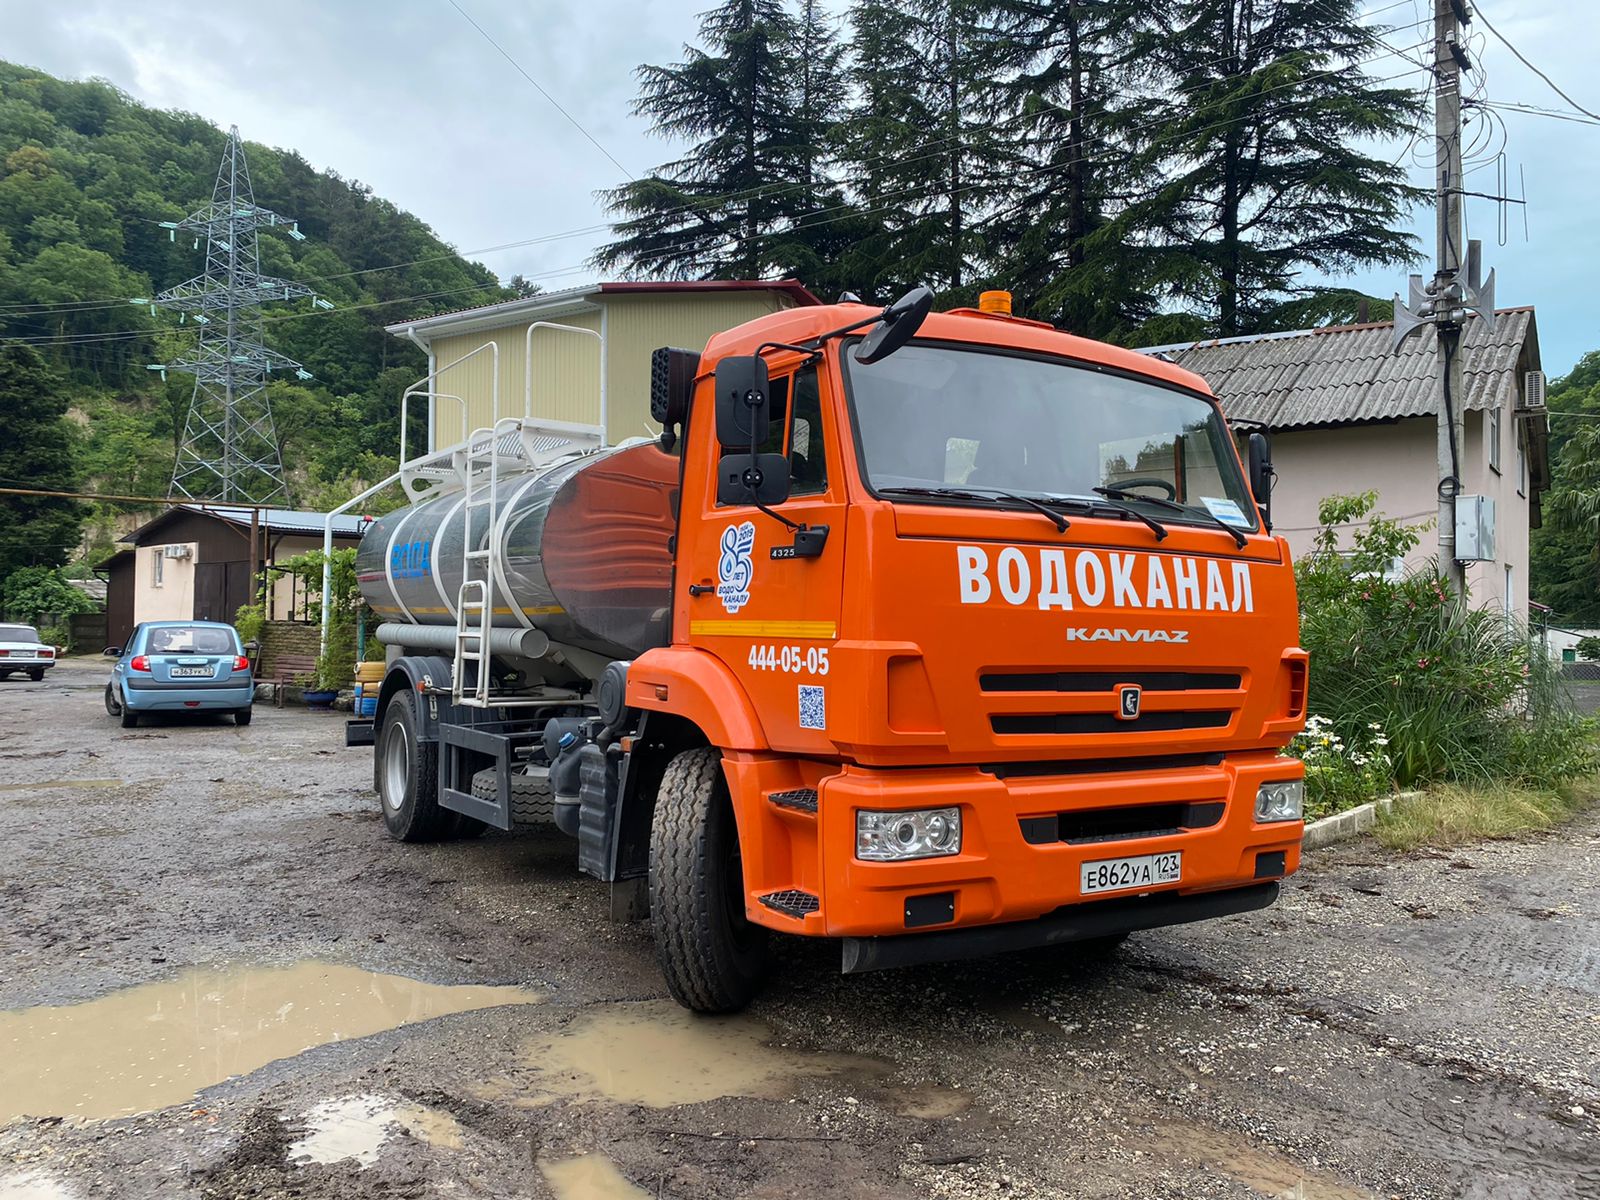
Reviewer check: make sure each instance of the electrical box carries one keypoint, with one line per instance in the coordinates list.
(1474, 528)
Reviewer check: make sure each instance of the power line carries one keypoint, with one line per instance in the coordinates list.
(774, 188)
(540, 88)
(1524, 61)
(1533, 110)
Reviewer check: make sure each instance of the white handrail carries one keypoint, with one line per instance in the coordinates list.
(527, 368)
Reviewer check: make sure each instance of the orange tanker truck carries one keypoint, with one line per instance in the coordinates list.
(936, 634)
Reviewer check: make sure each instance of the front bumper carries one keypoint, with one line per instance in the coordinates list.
(1005, 872)
(188, 698)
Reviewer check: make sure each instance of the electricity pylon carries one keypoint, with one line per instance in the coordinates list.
(230, 446)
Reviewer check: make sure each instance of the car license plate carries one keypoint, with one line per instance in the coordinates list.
(1123, 874)
(191, 672)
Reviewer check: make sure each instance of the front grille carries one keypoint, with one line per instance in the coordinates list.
(1104, 681)
(1124, 823)
(1108, 722)
(1100, 766)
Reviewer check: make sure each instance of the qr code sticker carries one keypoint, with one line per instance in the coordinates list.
(813, 708)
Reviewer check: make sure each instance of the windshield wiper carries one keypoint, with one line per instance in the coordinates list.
(982, 493)
(1187, 510)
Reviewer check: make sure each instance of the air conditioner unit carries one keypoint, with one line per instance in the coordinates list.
(179, 551)
(1532, 392)
(1474, 528)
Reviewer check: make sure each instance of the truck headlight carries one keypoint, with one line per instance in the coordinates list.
(1283, 800)
(906, 834)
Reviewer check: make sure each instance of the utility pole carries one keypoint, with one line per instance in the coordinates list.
(1455, 290)
(230, 446)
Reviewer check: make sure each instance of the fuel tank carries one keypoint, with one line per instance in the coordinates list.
(582, 552)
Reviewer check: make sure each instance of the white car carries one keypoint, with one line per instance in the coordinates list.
(21, 650)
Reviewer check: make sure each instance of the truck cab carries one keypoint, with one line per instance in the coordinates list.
(977, 638)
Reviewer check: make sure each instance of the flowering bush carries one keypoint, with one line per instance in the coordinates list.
(1455, 690)
(1340, 774)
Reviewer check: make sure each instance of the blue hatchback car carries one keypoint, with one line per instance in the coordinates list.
(180, 666)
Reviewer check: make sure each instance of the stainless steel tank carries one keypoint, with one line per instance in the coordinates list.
(582, 554)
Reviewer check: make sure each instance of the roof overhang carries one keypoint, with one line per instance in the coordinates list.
(589, 298)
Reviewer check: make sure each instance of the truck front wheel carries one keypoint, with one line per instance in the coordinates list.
(712, 956)
(408, 775)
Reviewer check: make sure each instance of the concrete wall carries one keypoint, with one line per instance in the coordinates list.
(173, 599)
(1397, 460)
(565, 379)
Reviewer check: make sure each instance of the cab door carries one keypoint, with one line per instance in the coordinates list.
(748, 593)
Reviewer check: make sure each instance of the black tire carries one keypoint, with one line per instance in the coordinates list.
(36, 674)
(408, 776)
(713, 958)
(532, 802)
(112, 707)
(130, 719)
(241, 716)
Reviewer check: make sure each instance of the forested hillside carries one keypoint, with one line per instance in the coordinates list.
(86, 175)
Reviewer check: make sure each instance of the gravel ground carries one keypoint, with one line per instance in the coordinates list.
(1412, 1026)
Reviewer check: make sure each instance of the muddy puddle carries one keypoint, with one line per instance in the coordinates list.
(356, 1127)
(659, 1055)
(146, 1047)
(1265, 1170)
(34, 1185)
(589, 1177)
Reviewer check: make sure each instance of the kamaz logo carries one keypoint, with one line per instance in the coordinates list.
(1177, 637)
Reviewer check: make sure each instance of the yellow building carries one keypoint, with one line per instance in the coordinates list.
(480, 365)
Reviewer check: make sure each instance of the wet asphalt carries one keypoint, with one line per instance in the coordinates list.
(1423, 1025)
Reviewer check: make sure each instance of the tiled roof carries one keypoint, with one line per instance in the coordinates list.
(1351, 374)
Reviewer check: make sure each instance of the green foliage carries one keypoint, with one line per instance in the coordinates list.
(1455, 690)
(250, 620)
(85, 175)
(1589, 649)
(1340, 774)
(336, 665)
(1564, 559)
(31, 594)
(36, 451)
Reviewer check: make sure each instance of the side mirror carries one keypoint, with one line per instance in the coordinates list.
(761, 479)
(895, 328)
(1262, 474)
(112, 652)
(742, 400)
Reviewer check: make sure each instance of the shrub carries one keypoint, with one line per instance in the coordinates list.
(32, 594)
(250, 620)
(1341, 775)
(1457, 690)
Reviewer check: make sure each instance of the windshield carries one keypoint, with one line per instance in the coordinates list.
(943, 417)
(18, 633)
(190, 639)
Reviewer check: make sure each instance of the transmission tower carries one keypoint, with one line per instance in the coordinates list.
(230, 446)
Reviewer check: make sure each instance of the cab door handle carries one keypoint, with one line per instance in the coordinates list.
(700, 589)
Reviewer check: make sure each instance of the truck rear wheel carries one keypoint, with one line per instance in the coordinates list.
(408, 776)
(713, 957)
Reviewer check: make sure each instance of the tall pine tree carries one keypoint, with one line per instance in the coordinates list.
(1263, 155)
(1072, 88)
(923, 145)
(727, 207)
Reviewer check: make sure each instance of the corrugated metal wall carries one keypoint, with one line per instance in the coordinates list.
(565, 377)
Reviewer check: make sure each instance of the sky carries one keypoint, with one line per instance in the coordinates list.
(407, 97)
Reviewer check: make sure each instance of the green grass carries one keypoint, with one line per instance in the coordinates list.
(1452, 814)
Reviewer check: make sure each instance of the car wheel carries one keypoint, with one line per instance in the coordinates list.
(130, 719)
(712, 955)
(36, 674)
(241, 716)
(408, 776)
(112, 707)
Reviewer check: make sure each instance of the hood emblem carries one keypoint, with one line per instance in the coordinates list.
(1128, 701)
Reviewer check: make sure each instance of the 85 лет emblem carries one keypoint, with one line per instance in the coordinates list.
(736, 566)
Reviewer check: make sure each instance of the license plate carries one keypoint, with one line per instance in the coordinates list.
(1123, 874)
(191, 672)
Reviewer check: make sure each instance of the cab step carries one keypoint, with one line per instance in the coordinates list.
(799, 799)
(793, 902)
